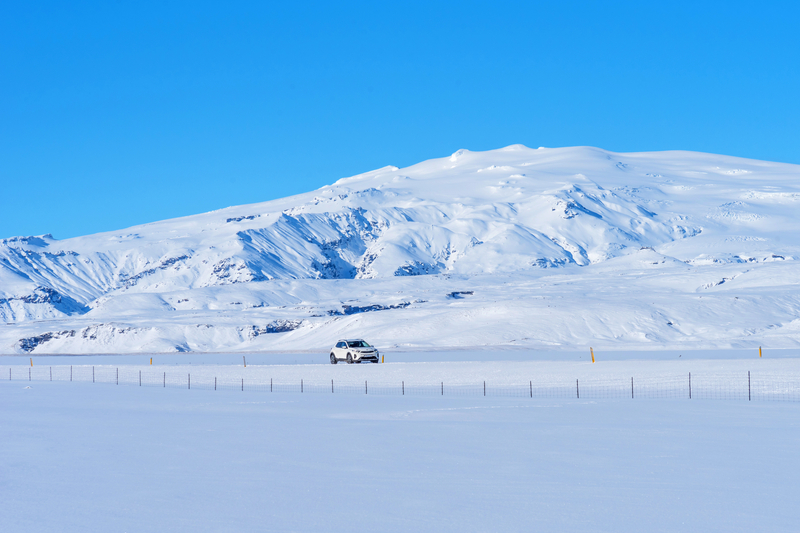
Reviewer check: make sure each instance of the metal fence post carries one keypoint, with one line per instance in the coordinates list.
(748, 386)
(577, 389)
(631, 386)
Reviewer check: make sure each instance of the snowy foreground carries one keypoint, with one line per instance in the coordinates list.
(96, 457)
(560, 248)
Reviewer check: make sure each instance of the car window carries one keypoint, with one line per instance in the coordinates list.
(340, 345)
(358, 344)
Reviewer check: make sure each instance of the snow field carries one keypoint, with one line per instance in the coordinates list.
(82, 458)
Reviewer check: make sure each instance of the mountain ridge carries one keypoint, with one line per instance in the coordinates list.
(512, 211)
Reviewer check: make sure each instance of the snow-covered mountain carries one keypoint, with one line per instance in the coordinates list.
(547, 247)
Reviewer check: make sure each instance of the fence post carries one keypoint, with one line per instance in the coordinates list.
(270, 384)
(29, 374)
(331, 386)
(365, 387)
(165, 380)
(92, 374)
(242, 384)
(442, 388)
(748, 385)
(402, 383)
(530, 383)
(301, 385)
(190, 381)
(690, 385)
(484, 388)
(215, 382)
(577, 389)
(631, 387)
(140, 378)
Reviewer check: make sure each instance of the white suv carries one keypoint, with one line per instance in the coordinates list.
(354, 351)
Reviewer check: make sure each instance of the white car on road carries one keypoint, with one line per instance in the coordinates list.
(354, 351)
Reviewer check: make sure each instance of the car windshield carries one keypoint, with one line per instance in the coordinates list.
(358, 344)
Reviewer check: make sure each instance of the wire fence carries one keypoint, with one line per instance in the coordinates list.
(729, 386)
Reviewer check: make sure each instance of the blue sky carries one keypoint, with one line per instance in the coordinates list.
(119, 113)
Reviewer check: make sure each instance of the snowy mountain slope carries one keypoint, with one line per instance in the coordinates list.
(276, 275)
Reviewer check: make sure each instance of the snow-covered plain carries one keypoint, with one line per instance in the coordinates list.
(550, 248)
(87, 457)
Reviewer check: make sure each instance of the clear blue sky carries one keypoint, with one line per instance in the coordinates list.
(119, 113)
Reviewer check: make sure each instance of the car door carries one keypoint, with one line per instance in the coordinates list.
(349, 350)
(340, 350)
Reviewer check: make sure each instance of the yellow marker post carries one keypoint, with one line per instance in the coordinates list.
(244, 361)
(381, 359)
(31, 361)
(592, 351)
(759, 351)
(151, 360)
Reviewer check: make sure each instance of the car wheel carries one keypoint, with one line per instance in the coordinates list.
(333, 359)
(349, 359)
